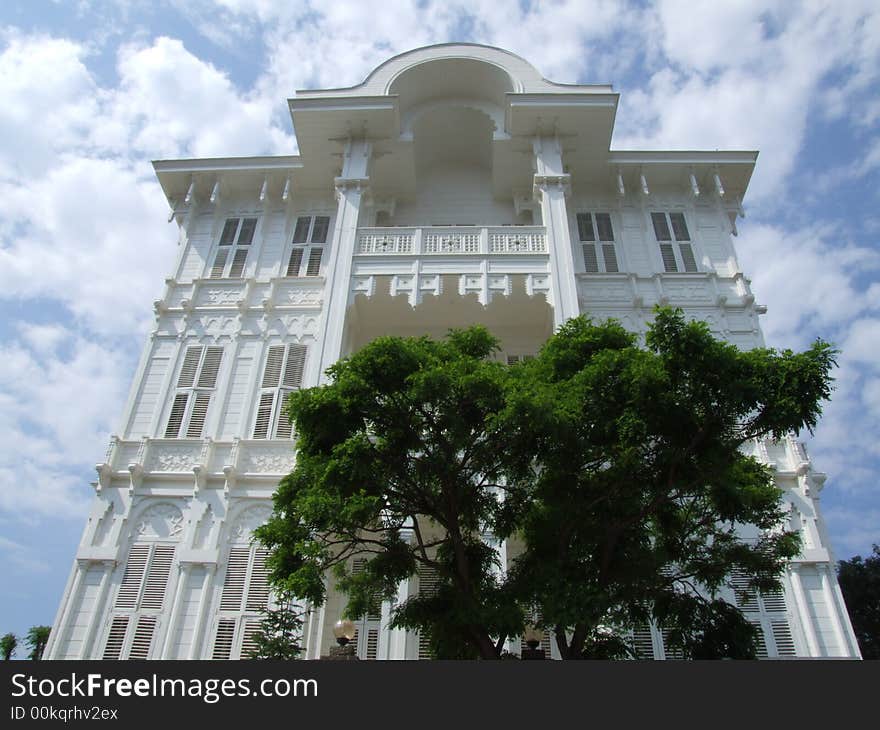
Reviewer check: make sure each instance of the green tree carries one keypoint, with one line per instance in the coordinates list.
(643, 486)
(36, 639)
(860, 583)
(8, 643)
(616, 468)
(280, 630)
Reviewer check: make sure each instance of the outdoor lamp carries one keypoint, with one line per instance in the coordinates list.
(343, 630)
(532, 636)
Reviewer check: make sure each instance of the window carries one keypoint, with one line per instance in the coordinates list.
(515, 359)
(245, 594)
(597, 243)
(767, 612)
(366, 633)
(282, 374)
(672, 234)
(139, 600)
(235, 241)
(429, 584)
(195, 386)
(309, 238)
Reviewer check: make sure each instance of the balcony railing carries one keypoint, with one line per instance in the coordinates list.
(452, 240)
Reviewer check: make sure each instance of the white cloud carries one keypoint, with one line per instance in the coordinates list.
(21, 557)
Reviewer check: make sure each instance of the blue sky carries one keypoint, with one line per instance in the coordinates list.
(92, 91)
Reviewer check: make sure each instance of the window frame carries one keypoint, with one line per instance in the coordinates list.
(605, 251)
(233, 248)
(679, 248)
(278, 392)
(309, 265)
(192, 392)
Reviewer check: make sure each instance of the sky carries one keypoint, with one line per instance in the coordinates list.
(93, 91)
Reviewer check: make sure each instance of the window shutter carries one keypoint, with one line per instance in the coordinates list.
(143, 638)
(782, 637)
(643, 643)
(603, 224)
(234, 581)
(313, 268)
(258, 586)
(661, 227)
(115, 638)
(157, 577)
(264, 415)
(210, 367)
(760, 643)
(591, 263)
(130, 588)
(773, 601)
(610, 256)
(372, 643)
(248, 645)
(668, 651)
(585, 227)
(228, 236)
(238, 262)
(293, 369)
(512, 359)
(190, 366)
(198, 415)
(668, 257)
(223, 639)
(746, 595)
(679, 227)
(428, 585)
(283, 426)
(219, 264)
(319, 230)
(301, 232)
(272, 372)
(175, 420)
(295, 263)
(687, 257)
(246, 234)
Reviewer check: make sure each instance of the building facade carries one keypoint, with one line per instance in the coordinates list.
(454, 186)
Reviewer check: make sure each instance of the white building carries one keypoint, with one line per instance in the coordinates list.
(454, 186)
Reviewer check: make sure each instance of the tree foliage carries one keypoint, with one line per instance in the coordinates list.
(860, 583)
(36, 639)
(8, 644)
(280, 629)
(615, 468)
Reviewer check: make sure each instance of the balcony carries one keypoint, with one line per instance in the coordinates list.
(455, 240)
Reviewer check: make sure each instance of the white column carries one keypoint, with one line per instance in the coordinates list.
(552, 185)
(350, 187)
(833, 611)
(201, 617)
(182, 579)
(803, 610)
(98, 612)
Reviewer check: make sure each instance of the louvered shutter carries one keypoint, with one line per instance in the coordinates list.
(258, 585)
(687, 257)
(274, 361)
(643, 642)
(238, 262)
(115, 638)
(264, 415)
(223, 639)
(190, 366)
(428, 585)
(301, 232)
(746, 596)
(679, 227)
(157, 577)
(295, 262)
(283, 426)
(219, 264)
(199, 414)
(313, 268)
(585, 227)
(132, 579)
(372, 650)
(668, 255)
(234, 581)
(604, 227)
(293, 369)
(210, 367)
(782, 638)
(246, 234)
(143, 637)
(320, 229)
(175, 420)
(591, 263)
(661, 227)
(760, 643)
(227, 238)
(668, 651)
(774, 601)
(512, 359)
(610, 256)
(248, 645)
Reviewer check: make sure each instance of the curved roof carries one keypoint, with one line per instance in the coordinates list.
(470, 58)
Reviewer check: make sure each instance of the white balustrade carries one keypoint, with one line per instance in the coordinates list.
(440, 240)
